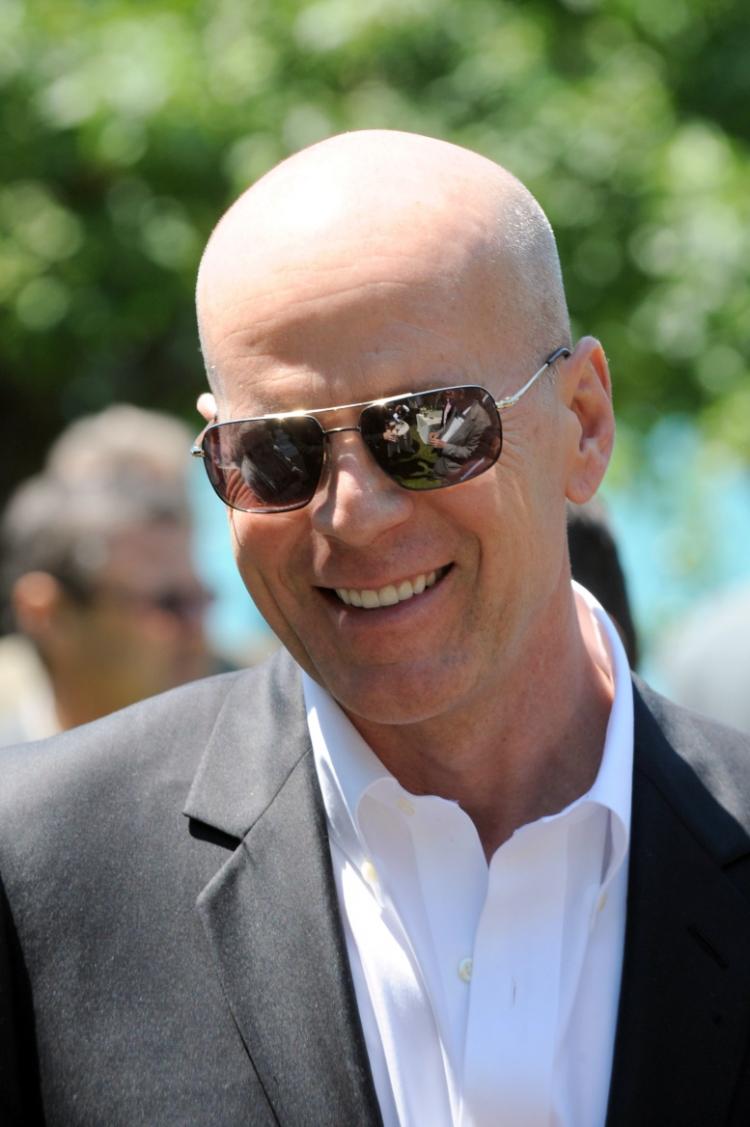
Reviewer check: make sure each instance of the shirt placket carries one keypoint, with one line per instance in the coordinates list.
(511, 1033)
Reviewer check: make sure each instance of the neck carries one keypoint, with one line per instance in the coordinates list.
(533, 749)
(71, 708)
(79, 697)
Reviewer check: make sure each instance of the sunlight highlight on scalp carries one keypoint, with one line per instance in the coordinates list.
(413, 209)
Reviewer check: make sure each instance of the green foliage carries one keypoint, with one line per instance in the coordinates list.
(126, 127)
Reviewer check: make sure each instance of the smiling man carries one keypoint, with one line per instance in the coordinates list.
(440, 862)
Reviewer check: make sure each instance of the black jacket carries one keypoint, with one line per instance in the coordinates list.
(172, 952)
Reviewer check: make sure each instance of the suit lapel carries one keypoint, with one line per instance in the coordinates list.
(682, 1022)
(271, 913)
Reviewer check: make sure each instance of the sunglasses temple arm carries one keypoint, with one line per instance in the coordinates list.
(511, 400)
(196, 450)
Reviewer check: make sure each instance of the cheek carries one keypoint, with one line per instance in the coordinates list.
(488, 509)
(141, 636)
(267, 552)
(516, 512)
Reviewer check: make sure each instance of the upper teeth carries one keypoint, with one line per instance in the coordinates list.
(386, 596)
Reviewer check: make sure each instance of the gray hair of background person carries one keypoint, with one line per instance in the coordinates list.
(122, 448)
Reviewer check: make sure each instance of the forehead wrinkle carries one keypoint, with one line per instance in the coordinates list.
(292, 350)
(251, 398)
(319, 298)
(313, 390)
(283, 319)
(316, 285)
(293, 334)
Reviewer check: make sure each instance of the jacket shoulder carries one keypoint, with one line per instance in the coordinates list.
(155, 743)
(702, 767)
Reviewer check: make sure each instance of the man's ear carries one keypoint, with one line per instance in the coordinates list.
(37, 598)
(206, 405)
(587, 393)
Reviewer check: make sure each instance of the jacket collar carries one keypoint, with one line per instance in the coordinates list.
(259, 738)
(682, 1022)
(270, 912)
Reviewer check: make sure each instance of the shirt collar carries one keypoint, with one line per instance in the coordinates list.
(613, 785)
(347, 767)
(345, 764)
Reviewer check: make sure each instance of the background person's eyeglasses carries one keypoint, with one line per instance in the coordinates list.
(185, 606)
(422, 440)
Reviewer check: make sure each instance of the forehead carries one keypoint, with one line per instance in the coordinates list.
(353, 331)
(149, 552)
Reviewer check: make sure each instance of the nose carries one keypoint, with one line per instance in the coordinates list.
(356, 502)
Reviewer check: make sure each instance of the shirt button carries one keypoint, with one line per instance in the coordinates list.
(465, 968)
(597, 910)
(369, 872)
(405, 806)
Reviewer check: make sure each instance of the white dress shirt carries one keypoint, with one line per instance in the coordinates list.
(488, 993)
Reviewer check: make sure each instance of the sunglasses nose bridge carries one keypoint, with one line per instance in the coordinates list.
(339, 430)
(326, 435)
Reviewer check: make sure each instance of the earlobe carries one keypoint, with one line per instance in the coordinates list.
(206, 405)
(36, 598)
(588, 396)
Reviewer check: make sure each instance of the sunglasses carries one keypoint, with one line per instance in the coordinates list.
(422, 440)
(186, 606)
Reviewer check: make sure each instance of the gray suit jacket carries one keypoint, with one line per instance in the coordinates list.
(172, 952)
(465, 440)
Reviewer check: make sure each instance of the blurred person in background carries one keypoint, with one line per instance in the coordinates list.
(595, 564)
(704, 659)
(98, 577)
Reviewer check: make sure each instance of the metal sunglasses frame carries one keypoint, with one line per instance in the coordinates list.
(503, 404)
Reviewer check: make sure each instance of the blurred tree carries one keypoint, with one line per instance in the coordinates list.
(126, 126)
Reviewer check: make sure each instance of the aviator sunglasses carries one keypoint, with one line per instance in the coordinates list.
(422, 440)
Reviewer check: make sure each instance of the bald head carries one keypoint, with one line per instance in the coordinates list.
(392, 209)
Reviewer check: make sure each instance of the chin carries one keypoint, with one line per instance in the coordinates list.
(395, 696)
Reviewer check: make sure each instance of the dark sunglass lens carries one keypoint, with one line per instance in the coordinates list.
(434, 439)
(186, 606)
(265, 465)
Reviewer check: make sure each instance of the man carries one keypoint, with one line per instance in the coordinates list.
(704, 657)
(98, 577)
(410, 886)
(465, 424)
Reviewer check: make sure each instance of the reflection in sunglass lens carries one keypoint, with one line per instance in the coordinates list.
(265, 464)
(436, 439)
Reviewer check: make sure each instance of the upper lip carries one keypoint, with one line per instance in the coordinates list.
(377, 584)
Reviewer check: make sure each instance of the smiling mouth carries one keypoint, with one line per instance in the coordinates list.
(392, 593)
